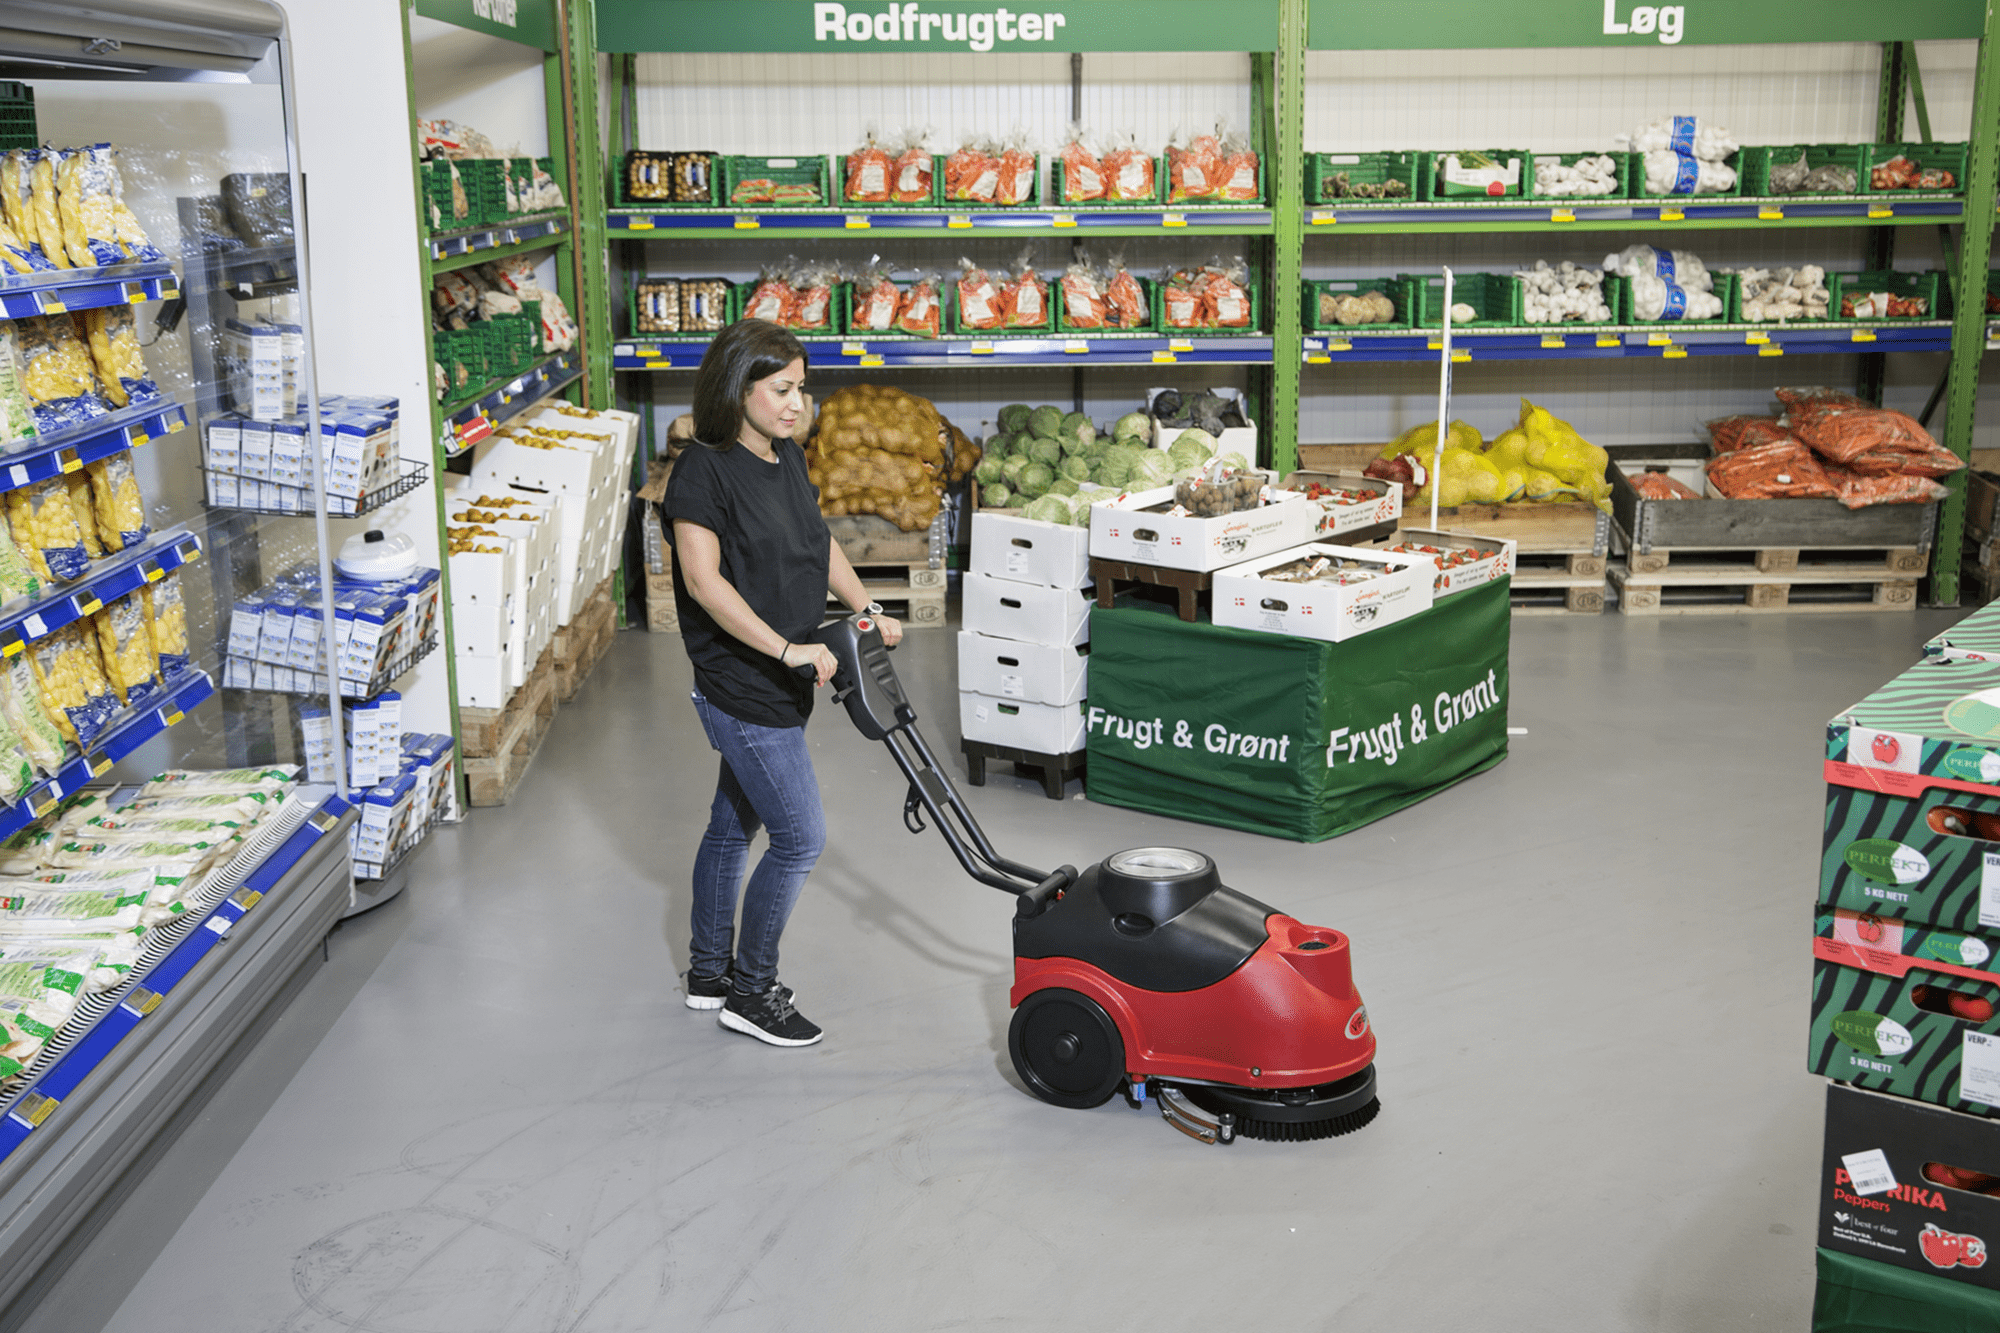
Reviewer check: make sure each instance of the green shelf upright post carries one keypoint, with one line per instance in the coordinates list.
(1288, 213)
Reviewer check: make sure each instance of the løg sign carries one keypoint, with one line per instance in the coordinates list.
(909, 22)
(1668, 21)
(498, 11)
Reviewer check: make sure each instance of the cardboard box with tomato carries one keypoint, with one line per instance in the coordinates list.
(1937, 724)
(1907, 1184)
(1933, 857)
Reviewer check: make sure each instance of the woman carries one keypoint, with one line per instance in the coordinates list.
(753, 565)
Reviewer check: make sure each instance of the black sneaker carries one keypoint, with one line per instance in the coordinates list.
(705, 992)
(769, 1017)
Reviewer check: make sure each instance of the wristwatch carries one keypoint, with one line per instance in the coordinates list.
(872, 609)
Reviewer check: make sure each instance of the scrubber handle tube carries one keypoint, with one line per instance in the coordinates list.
(944, 789)
(961, 832)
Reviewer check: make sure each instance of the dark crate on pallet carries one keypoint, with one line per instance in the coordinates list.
(17, 115)
(1053, 770)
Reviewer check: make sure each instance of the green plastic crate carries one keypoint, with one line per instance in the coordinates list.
(1412, 169)
(17, 115)
(462, 353)
(961, 330)
(1925, 285)
(1150, 325)
(1056, 199)
(804, 170)
(1617, 296)
(1949, 156)
(1162, 174)
(932, 200)
(1734, 161)
(1622, 170)
(1494, 297)
(836, 312)
(1440, 189)
(1758, 160)
(1725, 291)
(1032, 200)
(1396, 289)
(627, 199)
(854, 330)
(730, 311)
(1735, 313)
(1254, 288)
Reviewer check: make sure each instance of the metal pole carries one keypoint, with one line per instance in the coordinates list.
(1282, 168)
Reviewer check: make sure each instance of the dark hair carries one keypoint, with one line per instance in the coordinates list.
(745, 352)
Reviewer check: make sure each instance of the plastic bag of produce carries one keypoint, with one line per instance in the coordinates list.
(1728, 434)
(125, 642)
(1899, 173)
(911, 181)
(44, 526)
(1083, 172)
(114, 350)
(918, 309)
(1656, 298)
(1128, 172)
(1084, 306)
(17, 771)
(1216, 490)
(43, 164)
(17, 415)
(166, 613)
(1845, 433)
(972, 173)
(869, 171)
(1024, 299)
(1225, 302)
(17, 175)
(1859, 490)
(1769, 472)
(1016, 169)
(1124, 299)
(86, 514)
(180, 782)
(1669, 173)
(1238, 182)
(979, 305)
(70, 675)
(85, 193)
(1660, 486)
(58, 374)
(1690, 136)
(1194, 166)
(875, 298)
(119, 508)
(812, 306)
(1683, 268)
(28, 717)
(773, 298)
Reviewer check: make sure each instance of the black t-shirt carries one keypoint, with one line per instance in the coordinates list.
(774, 545)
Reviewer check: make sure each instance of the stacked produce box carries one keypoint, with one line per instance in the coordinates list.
(1906, 986)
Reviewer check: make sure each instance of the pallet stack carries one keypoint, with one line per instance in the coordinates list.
(1906, 991)
(1979, 574)
(1022, 664)
(904, 571)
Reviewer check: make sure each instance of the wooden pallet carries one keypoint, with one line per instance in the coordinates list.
(1188, 584)
(662, 613)
(868, 539)
(1982, 506)
(498, 744)
(913, 591)
(1905, 561)
(1718, 585)
(579, 644)
(1555, 583)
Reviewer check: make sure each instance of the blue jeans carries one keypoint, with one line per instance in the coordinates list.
(766, 782)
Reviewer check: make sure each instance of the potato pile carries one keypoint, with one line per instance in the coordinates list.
(878, 450)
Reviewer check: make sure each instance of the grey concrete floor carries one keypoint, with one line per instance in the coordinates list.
(490, 1112)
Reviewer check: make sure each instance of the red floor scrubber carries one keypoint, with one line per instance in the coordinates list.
(1144, 973)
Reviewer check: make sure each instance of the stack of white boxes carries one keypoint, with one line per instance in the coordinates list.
(1021, 656)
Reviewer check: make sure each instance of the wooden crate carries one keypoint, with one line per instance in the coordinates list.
(498, 744)
(662, 614)
(912, 592)
(1766, 581)
(866, 539)
(1550, 583)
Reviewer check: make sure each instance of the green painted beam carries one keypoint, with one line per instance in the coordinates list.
(1288, 243)
(1581, 224)
(593, 310)
(1968, 332)
(1429, 25)
(870, 27)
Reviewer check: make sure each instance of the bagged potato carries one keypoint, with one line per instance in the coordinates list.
(166, 614)
(83, 203)
(126, 643)
(120, 511)
(28, 718)
(132, 238)
(17, 172)
(78, 486)
(45, 531)
(58, 373)
(114, 350)
(71, 678)
(43, 164)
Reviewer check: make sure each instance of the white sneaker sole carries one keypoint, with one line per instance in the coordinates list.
(704, 1001)
(738, 1023)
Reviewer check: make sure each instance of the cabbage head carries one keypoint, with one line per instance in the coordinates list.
(1014, 418)
(1185, 455)
(1112, 469)
(1010, 467)
(1150, 470)
(1035, 479)
(1046, 451)
(1076, 467)
(987, 470)
(1045, 422)
(1063, 486)
(1077, 432)
(1196, 436)
(1079, 506)
(995, 497)
(1048, 509)
(1235, 460)
(1132, 426)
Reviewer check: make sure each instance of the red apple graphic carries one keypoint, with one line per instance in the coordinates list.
(1886, 749)
(1941, 1248)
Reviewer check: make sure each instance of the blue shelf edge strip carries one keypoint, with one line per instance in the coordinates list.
(1080, 219)
(495, 237)
(102, 438)
(113, 578)
(1076, 349)
(518, 395)
(186, 692)
(1581, 343)
(77, 1064)
(87, 289)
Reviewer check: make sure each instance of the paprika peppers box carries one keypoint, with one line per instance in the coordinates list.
(1464, 559)
(1356, 501)
(1905, 1008)
(1902, 1183)
(1246, 598)
(1140, 527)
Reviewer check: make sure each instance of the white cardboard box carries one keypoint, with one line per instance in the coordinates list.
(1027, 551)
(1245, 600)
(1345, 516)
(1123, 529)
(1032, 612)
(1011, 669)
(485, 681)
(1038, 728)
(1497, 564)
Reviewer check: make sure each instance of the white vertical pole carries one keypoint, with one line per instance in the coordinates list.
(1444, 401)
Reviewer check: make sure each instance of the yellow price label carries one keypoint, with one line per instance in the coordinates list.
(1672, 215)
(136, 436)
(71, 460)
(135, 292)
(1659, 340)
(858, 224)
(1881, 211)
(151, 572)
(1554, 340)
(1437, 346)
(1173, 219)
(99, 767)
(177, 424)
(190, 551)
(1609, 340)
(87, 605)
(170, 716)
(12, 648)
(982, 348)
(51, 306)
(1770, 351)
(34, 1108)
(1756, 339)
(871, 360)
(142, 1001)
(1768, 214)
(662, 363)
(1063, 220)
(247, 898)
(1163, 358)
(854, 349)
(1179, 345)
(1323, 217)
(169, 292)
(1562, 215)
(1075, 347)
(745, 222)
(1339, 347)
(958, 221)
(1674, 353)
(43, 806)
(1862, 336)
(639, 224)
(646, 351)
(1318, 359)
(1461, 356)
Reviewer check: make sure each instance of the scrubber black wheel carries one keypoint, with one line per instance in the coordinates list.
(1293, 1114)
(1066, 1048)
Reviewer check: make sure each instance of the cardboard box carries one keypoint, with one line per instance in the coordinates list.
(1494, 559)
(1245, 599)
(1338, 516)
(1027, 551)
(485, 617)
(1138, 528)
(1233, 440)
(1936, 724)
(1036, 728)
(1011, 669)
(1893, 1186)
(1973, 639)
(1032, 612)
(1881, 853)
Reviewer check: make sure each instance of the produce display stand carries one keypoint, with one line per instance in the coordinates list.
(1292, 737)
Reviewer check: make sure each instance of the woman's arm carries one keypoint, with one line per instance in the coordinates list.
(845, 584)
(700, 555)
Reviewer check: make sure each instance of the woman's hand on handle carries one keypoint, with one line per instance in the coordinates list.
(891, 628)
(815, 655)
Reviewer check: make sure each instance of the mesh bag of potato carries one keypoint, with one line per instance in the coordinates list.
(878, 450)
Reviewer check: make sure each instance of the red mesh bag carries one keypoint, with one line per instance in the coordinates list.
(1842, 434)
(979, 304)
(1771, 472)
(1660, 486)
(1194, 170)
(1745, 432)
(1025, 301)
(1016, 170)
